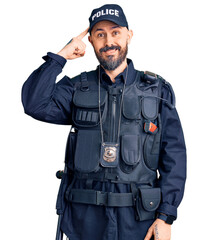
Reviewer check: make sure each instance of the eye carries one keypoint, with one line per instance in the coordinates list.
(100, 35)
(115, 33)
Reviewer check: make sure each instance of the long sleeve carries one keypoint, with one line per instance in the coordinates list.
(43, 98)
(172, 165)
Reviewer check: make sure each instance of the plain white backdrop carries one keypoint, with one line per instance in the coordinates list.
(170, 38)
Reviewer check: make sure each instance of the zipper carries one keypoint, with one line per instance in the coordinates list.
(112, 118)
(114, 99)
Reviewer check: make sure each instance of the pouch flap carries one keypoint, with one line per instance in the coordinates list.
(150, 107)
(131, 107)
(150, 198)
(130, 149)
(89, 99)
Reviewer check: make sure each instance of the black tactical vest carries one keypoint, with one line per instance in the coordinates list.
(139, 147)
(139, 142)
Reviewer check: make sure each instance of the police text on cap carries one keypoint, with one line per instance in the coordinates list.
(106, 12)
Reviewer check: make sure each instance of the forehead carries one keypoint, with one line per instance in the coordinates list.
(105, 26)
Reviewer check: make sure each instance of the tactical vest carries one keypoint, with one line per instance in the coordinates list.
(140, 135)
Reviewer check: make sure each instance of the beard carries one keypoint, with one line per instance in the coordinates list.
(110, 63)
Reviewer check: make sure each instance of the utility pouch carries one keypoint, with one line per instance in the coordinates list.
(87, 152)
(130, 152)
(149, 201)
(86, 107)
(151, 149)
(132, 107)
(70, 150)
(150, 100)
(150, 107)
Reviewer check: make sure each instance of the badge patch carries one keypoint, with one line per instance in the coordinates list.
(109, 154)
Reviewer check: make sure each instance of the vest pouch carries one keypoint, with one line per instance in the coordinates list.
(86, 107)
(150, 101)
(150, 107)
(151, 149)
(87, 152)
(132, 107)
(130, 152)
(149, 201)
(70, 150)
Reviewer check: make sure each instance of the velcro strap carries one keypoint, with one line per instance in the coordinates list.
(109, 199)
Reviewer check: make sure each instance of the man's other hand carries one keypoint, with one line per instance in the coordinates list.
(160, 230)
(76, 47)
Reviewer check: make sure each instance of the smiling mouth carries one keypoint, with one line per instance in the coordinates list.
(111, 51)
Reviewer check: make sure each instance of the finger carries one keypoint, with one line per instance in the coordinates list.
(83, 34)
(77, 55)
(81, 45)
(149, 235)
(82, 54)
(79, 52)
(79, 49)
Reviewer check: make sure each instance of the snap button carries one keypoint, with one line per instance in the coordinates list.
(151, 203)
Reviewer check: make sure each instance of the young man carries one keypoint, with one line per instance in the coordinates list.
(127, 157)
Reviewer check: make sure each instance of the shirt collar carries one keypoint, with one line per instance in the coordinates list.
(120, 78)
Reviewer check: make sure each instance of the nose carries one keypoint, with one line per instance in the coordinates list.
(109, 40)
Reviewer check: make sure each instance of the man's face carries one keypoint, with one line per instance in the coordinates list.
(110, 42)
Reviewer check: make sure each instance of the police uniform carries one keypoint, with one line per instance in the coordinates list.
(125, 159)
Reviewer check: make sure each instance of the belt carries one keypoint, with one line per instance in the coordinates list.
(109, 199)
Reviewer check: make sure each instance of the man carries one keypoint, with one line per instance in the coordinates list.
(126, 160)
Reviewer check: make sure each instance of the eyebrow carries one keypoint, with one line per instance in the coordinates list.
(117, 26)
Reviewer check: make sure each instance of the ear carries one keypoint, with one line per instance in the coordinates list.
(90, 39)
(130, 35)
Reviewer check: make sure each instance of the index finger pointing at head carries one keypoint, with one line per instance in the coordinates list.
(83, 34)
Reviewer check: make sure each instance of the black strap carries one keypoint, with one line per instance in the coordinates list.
(103, 176)
(136, 200)
(84, 82)
(109, 199)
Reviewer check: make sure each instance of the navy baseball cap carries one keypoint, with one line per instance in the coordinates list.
(108, 12)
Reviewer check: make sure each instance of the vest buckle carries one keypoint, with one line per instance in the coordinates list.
(101, 198)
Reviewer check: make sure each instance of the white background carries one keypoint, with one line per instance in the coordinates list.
(170, 39)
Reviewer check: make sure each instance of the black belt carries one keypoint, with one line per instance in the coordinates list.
(109, 199)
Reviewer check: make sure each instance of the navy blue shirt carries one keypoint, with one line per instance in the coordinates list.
(48, 101)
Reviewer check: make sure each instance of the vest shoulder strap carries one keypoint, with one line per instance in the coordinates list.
(150, 77)
(84, 82)
(172, 102)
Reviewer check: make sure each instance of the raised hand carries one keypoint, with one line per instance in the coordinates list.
(75, 48)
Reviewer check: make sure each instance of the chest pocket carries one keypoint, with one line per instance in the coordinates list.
(132, 107)
(86, 107)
